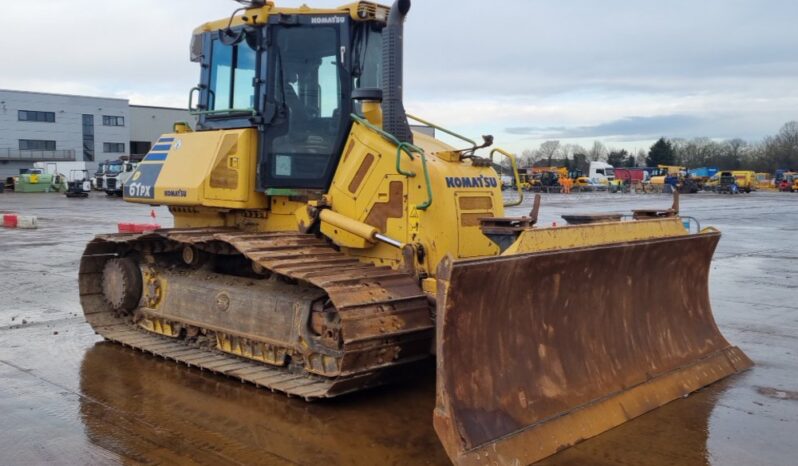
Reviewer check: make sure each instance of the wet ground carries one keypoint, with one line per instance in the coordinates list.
(66, 397)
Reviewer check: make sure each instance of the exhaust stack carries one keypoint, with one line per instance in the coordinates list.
(394, 117)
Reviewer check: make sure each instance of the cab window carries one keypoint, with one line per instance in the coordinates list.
(232, 74)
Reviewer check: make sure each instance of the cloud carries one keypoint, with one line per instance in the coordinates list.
(630, 128)
(618, 68)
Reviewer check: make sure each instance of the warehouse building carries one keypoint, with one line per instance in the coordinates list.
(41, 127)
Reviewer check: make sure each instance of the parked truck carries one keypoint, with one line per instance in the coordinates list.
(630, 176)
(602, 173)
(99, 176)
(117, 173)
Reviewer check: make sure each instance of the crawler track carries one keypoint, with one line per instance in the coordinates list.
(384, 317)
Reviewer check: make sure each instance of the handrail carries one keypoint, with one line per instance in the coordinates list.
(514, 165)
(441, 128)
(197, 112)
(250, 111)
(376, 129)
(9, 154)
(411, 148)
(408, 149)
(403, 147)
(191, 99)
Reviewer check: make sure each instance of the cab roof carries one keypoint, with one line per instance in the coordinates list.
(358, 11)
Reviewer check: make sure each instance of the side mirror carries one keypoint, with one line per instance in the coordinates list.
(196, 48)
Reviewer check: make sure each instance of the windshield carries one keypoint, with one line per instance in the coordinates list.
(610, 172)
(114, 168)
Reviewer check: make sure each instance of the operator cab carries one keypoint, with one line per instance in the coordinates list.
(292, 79)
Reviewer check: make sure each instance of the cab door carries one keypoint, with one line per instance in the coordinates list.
(308, 104)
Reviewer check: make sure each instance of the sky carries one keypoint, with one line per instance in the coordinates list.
(623, 72)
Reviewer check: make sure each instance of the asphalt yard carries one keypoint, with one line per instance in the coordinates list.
(67, 397)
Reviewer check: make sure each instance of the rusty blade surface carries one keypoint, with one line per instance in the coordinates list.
(539, 351)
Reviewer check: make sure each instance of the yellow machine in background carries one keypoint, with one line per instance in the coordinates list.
(746, 180)
(659, 177)
(789, 182)
(525, 181)
(320, 247)
(764, 182)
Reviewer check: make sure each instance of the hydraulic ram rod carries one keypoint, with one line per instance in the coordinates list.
(357, 228)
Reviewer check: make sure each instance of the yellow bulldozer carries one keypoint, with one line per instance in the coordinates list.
(321, 247)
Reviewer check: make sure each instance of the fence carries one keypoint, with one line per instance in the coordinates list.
(37, 155)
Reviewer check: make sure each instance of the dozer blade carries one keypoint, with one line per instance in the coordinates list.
(538, 351)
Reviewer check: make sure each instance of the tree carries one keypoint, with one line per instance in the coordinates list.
(617, 158)
(567, 151)
(548, 150)
(781, 150)
(767, 155)
(640, 158)
(527, 156)
(598, 151)
(581, 162)
(698, 152)
(661, 153)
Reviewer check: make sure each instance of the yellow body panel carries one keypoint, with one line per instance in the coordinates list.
(367, 188)
(200, 169)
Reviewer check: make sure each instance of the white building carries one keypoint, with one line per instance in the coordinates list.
(37, 127)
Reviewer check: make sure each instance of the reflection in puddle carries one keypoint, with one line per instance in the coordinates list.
(675, 434)
(148, 410)
(144, 409)
(778, 394)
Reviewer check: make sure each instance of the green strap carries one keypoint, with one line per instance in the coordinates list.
(408, 149)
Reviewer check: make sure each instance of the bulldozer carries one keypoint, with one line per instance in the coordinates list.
(321, 247)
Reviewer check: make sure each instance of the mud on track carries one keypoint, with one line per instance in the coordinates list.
(68, 398)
